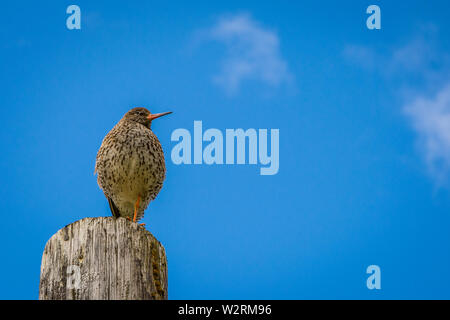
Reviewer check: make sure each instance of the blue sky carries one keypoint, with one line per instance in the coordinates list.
(364, 120)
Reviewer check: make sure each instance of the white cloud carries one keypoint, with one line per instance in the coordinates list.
(417, 54)
(414, 67)
(431, 119)
(252, 53)
(420, 57)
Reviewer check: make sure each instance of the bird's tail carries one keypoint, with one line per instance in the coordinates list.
(114, 210)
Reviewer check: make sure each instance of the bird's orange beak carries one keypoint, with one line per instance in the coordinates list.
(157, 115)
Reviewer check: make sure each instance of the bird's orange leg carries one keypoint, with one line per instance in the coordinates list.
(136, 207)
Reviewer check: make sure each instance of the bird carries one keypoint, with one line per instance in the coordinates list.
(130, 164)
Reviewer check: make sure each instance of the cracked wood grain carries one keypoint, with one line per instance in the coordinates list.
(103, 259)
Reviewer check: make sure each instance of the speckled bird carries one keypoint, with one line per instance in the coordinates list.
(130, 164)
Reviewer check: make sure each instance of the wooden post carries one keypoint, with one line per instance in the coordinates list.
(103, 259)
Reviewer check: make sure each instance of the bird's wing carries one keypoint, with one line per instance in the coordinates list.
(114, 210)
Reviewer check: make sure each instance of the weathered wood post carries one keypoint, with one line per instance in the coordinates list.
(103, 259)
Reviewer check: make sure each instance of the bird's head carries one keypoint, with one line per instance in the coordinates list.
(143, 116)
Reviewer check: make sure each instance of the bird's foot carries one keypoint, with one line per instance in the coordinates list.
(131, 220)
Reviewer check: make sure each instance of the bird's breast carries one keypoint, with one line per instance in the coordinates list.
(132, 160)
